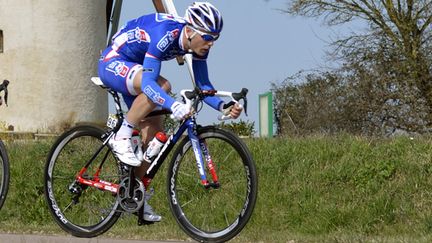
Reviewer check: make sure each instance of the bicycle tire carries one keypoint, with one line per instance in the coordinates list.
(95, 211)
(4, 173)
(213, 215)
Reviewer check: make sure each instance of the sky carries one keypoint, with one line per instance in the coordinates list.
(258, 46)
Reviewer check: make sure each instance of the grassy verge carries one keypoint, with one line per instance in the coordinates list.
(310, 190)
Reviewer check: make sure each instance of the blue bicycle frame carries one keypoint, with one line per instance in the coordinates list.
(199, 148)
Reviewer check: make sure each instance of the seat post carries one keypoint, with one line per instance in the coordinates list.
(119, 111)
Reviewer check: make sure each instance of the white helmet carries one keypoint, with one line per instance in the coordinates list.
(204, 17)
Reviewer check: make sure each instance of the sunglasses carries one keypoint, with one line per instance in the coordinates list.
(207, 36)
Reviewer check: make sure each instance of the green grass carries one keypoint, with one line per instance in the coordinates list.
(315, 189)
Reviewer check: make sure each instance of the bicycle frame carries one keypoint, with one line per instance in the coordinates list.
(199, 147)
(189, 125)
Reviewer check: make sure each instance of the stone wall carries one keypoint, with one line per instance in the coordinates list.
(50, 51)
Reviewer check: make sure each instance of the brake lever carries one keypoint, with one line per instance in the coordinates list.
(242, 95)
(236, 97)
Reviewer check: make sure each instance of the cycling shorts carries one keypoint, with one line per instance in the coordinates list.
(118, 74)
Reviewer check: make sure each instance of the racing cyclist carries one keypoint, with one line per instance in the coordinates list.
(131, 66)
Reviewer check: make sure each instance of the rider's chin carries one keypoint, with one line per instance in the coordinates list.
(202, 52)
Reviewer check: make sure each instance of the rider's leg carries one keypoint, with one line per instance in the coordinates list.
(140, 108)
(142, 105)
(123, 82)
(149, 127)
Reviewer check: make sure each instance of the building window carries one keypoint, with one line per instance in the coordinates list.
(1, 41)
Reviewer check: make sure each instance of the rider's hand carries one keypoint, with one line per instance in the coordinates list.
(236, 111)
(180, 111)
(232, 109)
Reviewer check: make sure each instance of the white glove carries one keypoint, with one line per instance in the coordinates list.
(180, 110)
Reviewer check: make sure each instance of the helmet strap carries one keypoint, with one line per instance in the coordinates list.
(189, 38)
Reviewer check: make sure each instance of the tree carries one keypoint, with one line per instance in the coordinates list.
(369, 94)
(406, 24)
(387, 68)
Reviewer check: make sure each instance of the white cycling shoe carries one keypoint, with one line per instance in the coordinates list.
(122, 148)
(145, 214)
(149, 214)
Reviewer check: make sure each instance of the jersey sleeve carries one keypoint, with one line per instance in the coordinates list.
(149, 85)
(202, 80)
(161, 39)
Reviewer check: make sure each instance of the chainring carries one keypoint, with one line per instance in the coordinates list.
(128, 203)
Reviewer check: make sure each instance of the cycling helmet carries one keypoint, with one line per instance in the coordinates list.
(205, 17)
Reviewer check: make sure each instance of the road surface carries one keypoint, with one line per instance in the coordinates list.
(18, 238)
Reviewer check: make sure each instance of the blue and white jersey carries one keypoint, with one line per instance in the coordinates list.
(149, 40)
(156, 35)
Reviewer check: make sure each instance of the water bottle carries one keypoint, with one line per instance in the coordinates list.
(154, 146)
(137, 145)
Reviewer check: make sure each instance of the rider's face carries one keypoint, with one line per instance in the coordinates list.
(198, 45)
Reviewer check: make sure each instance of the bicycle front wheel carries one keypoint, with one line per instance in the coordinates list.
(4, 173)
(81, 210)
(213, 215)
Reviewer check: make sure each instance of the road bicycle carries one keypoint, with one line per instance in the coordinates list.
(4, 158)
(211, 183)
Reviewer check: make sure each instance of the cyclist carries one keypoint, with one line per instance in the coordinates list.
(131, 66)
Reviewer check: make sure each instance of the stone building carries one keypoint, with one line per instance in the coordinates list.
(49, 51)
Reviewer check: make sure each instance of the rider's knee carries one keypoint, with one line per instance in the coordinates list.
(164, 84)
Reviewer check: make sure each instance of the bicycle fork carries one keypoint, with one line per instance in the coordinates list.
(200, 148)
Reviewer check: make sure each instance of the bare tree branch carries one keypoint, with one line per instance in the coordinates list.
(385, 78)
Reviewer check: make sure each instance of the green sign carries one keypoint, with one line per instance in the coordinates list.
(266, 115)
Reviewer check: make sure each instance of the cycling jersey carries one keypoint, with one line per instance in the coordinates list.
(143, 43)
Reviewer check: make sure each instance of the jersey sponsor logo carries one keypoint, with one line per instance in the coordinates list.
(167, 40)
(137, 35)
(118, 68)
(153, 95)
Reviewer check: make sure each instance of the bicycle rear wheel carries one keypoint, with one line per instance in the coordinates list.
(81, 210)
(4, 173)
(213, 215)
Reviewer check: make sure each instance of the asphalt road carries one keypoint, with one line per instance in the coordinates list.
(15, 238)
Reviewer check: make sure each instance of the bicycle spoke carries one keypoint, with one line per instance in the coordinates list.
(226, 157)
(227, 223)
(67, 206)
(186, 203)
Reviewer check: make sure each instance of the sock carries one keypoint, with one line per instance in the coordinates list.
(125, 130)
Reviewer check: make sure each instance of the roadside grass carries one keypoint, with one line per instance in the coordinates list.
(313, 189)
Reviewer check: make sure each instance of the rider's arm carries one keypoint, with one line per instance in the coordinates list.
(149, 85)
(202, 80)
